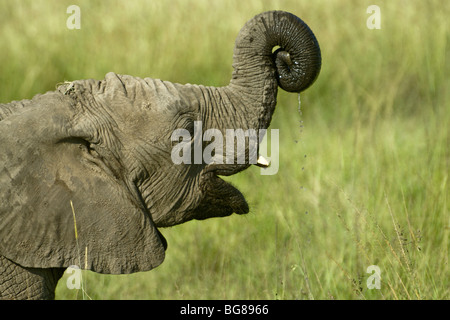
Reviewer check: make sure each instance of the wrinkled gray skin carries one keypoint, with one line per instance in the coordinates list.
(106, 147)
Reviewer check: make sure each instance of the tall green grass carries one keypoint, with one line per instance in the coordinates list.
(363, 175)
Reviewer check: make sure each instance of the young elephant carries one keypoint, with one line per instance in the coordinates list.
(87, 171)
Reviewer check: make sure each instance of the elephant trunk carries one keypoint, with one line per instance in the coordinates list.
(273, 49)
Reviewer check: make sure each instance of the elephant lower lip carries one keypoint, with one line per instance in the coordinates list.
(234, 198)
(221, 198)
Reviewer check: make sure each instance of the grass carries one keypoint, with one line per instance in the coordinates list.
(363, 182)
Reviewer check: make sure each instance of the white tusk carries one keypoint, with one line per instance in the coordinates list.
(262, 162)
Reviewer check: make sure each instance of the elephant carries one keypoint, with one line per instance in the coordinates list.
(86, 170)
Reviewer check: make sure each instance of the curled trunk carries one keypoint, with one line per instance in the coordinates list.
(275, 48)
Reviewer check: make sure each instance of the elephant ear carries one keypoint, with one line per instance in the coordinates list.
(58, 206)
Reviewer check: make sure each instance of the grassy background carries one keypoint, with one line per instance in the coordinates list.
(363, 176)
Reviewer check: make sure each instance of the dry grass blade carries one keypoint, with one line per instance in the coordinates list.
(83, 286)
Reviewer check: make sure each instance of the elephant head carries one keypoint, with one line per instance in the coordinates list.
(87, 171)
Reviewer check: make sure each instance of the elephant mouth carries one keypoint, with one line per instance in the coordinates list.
(220, 198)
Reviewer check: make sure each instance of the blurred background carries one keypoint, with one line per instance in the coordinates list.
(363, 168)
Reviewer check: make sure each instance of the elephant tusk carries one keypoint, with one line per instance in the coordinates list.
(262, 162)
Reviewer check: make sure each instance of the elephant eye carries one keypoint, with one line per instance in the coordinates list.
(190, 127)
(185, 121)
(186, 125)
